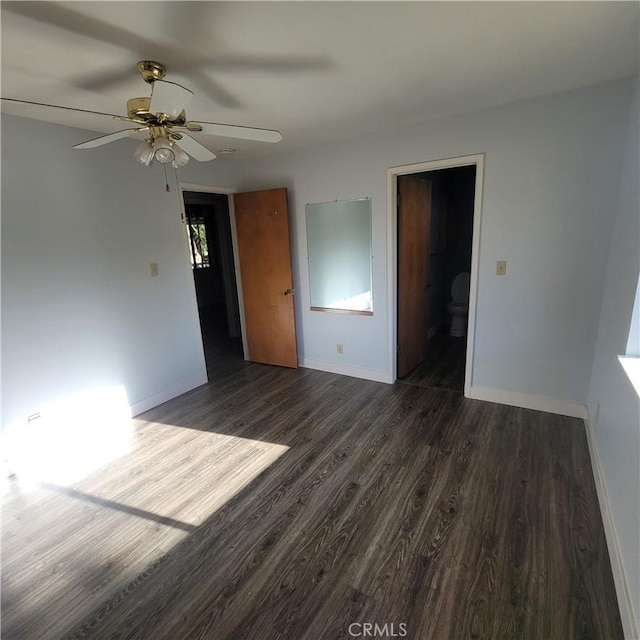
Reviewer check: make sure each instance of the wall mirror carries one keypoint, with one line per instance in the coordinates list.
(339, 252)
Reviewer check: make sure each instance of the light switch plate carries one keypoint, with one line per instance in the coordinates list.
(501, 268)
(153, 268)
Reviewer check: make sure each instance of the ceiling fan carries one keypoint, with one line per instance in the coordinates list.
(161, 117)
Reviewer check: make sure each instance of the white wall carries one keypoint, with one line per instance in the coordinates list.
(79, 308)
(551, 172)
(80, 227)
(615, 427)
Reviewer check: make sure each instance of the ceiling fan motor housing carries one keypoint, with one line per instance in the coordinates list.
(138, 110)
(138, 107)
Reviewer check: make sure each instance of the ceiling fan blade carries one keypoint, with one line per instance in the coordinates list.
(111, 137)
(195, 149)
(235, 131)
(277, 64)
(102, 81)
(170, 98)
(57, 106)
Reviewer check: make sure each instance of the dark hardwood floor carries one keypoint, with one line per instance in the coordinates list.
(280, 504)
(444, 366)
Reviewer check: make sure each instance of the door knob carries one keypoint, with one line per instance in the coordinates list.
(287, 292)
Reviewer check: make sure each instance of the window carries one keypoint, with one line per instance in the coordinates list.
(631, 361)
(198, 238)
(633, 340)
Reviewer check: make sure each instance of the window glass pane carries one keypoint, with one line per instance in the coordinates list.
(198, 242)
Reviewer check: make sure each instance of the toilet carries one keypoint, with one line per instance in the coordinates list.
(458, 306)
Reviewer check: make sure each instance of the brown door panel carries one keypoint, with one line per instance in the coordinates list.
(264, 253)
(414, 233)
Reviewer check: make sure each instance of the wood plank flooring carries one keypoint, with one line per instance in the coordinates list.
(280, 504)
(444, 365)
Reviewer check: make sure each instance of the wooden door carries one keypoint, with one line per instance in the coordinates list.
(414, 235)
(264, 254)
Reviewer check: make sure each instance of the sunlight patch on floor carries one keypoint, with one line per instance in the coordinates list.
(185, 476)
(94, 537)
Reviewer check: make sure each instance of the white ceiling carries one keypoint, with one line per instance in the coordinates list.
(316, 71)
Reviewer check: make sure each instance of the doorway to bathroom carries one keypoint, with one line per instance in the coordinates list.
(437, 209)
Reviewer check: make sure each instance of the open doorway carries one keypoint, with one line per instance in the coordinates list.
(436, 219)
(209, 236)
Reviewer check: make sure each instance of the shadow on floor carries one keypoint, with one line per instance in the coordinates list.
(221, 351)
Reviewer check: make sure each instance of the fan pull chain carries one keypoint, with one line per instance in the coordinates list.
(167, 188)
(175, 171)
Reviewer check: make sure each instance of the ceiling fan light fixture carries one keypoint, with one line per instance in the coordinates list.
(145, 153)
(181, 158)
(163, 151)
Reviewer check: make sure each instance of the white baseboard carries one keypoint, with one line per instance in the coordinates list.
(629, 625)
(177, 390)
(346, 370)
(527, 401)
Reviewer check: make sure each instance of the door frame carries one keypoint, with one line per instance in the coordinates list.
(184, 186)
(476, 160)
